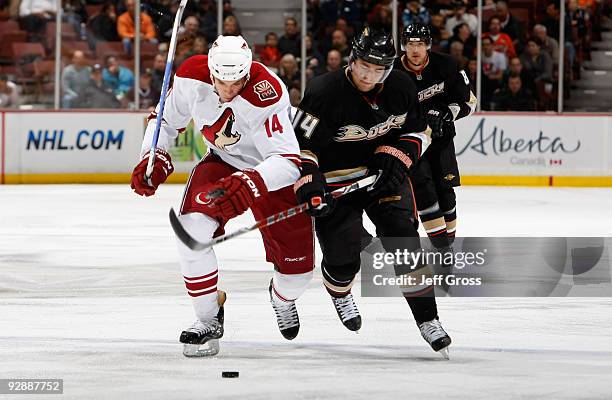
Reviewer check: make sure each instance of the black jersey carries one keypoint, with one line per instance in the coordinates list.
(339, 128)
(441, 83)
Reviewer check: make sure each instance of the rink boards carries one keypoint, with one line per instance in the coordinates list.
(492, 149)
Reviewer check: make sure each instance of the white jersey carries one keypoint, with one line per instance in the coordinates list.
(251, 131)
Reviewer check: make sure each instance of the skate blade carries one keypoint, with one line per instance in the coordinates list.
(444, 353)
(208, 349)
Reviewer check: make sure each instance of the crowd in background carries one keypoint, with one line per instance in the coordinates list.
(520, 50)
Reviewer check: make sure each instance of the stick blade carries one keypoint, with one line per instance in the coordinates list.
(182, 234)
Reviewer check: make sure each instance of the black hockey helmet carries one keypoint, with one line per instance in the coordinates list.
(375, 46)
(416, 33)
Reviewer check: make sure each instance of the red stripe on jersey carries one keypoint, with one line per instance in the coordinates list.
(197, 278)
(203, 293)
(308, 161)
(436, 233)
(279, 296)
(293, 158)
(202, 285)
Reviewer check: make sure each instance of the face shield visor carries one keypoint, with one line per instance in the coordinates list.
(370, 68)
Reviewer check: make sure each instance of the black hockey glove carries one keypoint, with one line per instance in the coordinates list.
(393, 165)
(311, 188)
(437, 118)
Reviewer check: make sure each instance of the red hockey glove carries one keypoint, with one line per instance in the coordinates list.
(162, 168)
(234, 194)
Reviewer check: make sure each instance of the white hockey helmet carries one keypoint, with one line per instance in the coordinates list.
(229, 58)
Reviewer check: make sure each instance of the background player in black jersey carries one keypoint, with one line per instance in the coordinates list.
(445, 95)
(365, 117)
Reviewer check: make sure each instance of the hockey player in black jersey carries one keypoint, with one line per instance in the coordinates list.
(445, 95)
(364, 119)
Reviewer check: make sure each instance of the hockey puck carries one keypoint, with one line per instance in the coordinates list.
(230, 374)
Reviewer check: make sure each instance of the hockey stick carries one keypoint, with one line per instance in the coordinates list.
(193, 244)
(164, 89)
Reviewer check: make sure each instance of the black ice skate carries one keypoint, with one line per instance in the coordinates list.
(435, 335)
(348, 312)
(202, 338)
(286, 316)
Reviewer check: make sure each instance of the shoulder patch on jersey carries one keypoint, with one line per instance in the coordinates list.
(264, 88)
(195, 67)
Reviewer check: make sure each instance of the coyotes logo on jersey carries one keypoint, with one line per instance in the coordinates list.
(265, 90)
(220, 133)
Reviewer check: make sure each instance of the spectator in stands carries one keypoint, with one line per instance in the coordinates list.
(231, 27)
(579, 18)
(439, 33)
(75, 13)
(165, 22)
(186, 37)
(290, 42)
(207, 14)
(550, 45)
(462, 34)
(348, 10)
(456, 51)
(97, 94)
(127, 30)
(415, 13)
(199, 46)
(536, 61)
(340, 43)
(493, 62)
(509, 24)
(311, 50)
(334, 61)
(103, 26)
(513, 97)
(472, 67)
(313, 68)
(343, 25)
(381, 17)
(148, 96)
(269, 54)
(289, 71)
(118, 78)
(9, 93)
(157, 72)
(34, 15)
(461, 16)
(515, 66)
(74, 78)
(493, 67)
(295, 96)
(501, 41)
(551, 22)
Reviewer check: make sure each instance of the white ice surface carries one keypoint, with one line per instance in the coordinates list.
(90, 291)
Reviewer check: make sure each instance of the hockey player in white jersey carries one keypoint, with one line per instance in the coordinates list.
(241, 109)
